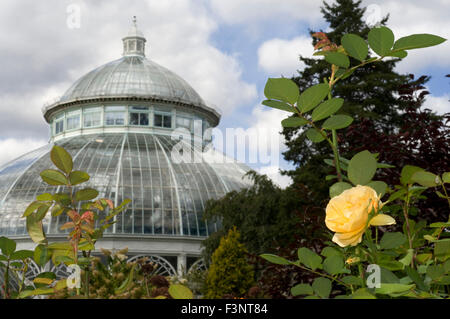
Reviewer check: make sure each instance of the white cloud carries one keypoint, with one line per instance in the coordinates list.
(440, 104)
(13, 148)
(251, 11)
(278, 56)
(267, 123)
(273, 172)
(414, 16)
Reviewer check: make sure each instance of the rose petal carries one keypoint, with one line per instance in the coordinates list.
(349, 238)
(382, 220)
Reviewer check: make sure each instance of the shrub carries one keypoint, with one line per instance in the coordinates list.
(229, 273)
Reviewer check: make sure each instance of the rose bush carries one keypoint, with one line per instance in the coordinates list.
(414, 263)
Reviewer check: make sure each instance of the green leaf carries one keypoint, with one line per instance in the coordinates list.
(442, 250)
(330, 251)
(327, 108)
(8, 246)
(274, 259)
(41, 255)
(314, 136)
(36, 292)
(334, 265)
(379, 186)
(381, 40)
(293, 122)
(78, 177)
(417, 41)
(407, 259)
(439, 225)
(61, 158)
(362, 293)
(281, 89)
(45, 197)
(86, 194)
(446, 177)
(35, 229)
(312, 96)
(387, 289)
(336, 122)
(426, 179)
(180, 292)
(416, 278)
(362, 168)
(355, 46)
(53, 177)
(41, 212)
(435, 271)
(57, 210)
(60, 246)
(338, 59)
(31, 208)
(392, 240)
(22, 255)
(337, 188)
(398, 54)
(322, 287)
(126, 283)
(407, 173)
(352, 280)
(301, 289)
(309, 258)
(384, 165)
(279, 105)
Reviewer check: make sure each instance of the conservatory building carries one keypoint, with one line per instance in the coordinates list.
(121, 123)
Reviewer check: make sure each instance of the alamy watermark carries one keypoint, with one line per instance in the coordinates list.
(73, 20)
(74, 279)
(374, 279)
(252, 146)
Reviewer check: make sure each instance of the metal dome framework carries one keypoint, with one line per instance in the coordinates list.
(168, 198)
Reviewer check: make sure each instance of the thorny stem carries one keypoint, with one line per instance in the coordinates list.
(408, 228)
(336, 156)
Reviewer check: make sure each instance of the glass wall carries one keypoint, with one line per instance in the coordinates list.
(59, 123)
(162, 120)
(115, 115)
(92, 117)
(168, 198)
(73, 120)
(139, 116)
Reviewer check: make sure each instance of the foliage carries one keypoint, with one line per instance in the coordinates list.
(423, 140)
(89, 218)
(229, 273)
(265, 215)
(369, 94)
(118, 279)
(413, 263)
(13, 263)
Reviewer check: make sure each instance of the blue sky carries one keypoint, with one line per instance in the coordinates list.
(225, 49)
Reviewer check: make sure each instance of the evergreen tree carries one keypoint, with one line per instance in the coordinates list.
(369, 93)
(266, 216)
(229, 274)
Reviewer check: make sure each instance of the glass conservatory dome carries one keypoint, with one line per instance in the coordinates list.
(168, 198)
(118, 122)
(133, 76)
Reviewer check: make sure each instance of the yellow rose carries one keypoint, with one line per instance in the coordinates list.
(347, 214)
